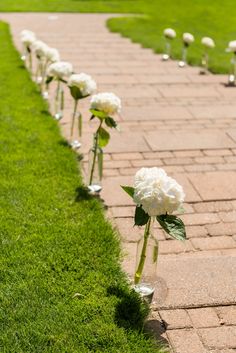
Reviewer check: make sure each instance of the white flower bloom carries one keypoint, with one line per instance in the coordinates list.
(26, 32)
(84, 82)
(188, 38)
(157, 192)
(208, 42)
(40, 48)
(27, 37)
(108, 103)
(169, 33)
(52, 55)
(232, 46)
(60, 69)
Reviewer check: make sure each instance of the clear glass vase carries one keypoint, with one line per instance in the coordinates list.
(27, 57)
(59, 102)
(44, 85)
(205, 64)
(167, 53)
(95, 167)
(76, 116)
(183, 62)
(38, 72)
(24, 53)
(232, 73)
(145, 276)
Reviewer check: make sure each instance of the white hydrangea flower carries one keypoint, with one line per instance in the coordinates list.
(208, 42)
(60, 69)
(26, 32)
(188, 38)
(169, 33)
(108, 103)
(52, 55)
(232, 46)
(27, 37)
(84, 82)
(40, 48)
(157, 192)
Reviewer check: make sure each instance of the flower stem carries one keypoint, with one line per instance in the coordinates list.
(184, 53)
(73, 118)
(80, 122)
(95, 147)
(168, 46)
(57, 95)
(37, 70)
(44, 71)
(139, 271)
(30, 61)
(62, 100)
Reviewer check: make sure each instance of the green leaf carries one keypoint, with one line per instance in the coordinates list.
(129, 190)
(98, 113)
(141, 217)
(75, 92)
(110, 122)
(173, 226)
(49, 79)
(103, 137)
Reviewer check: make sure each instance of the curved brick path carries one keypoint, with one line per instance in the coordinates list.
(186, 123)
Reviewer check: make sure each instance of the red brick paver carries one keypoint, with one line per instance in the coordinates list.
(185, 123)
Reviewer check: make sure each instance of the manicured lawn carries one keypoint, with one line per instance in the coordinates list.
(71, 5)
(201, 17)
(55, 241)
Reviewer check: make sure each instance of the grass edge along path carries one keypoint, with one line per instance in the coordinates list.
(61, 285)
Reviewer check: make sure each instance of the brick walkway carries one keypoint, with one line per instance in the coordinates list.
(185, 123)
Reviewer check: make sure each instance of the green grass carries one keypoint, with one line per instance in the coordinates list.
(55, 241)
(122, 6)
(201, 17)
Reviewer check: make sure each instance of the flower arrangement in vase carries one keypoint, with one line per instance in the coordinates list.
(188, 39)
(103, 107)
(59, 71)
(169, 35)
(156, 196)
(81, 86)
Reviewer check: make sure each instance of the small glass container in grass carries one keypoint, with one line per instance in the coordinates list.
(232, 74)
(188, 39)
(59, 72)
(208, 43)
(169, 35)
(103, 107)
(81, 86)
(156, 196)
(28, 38)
